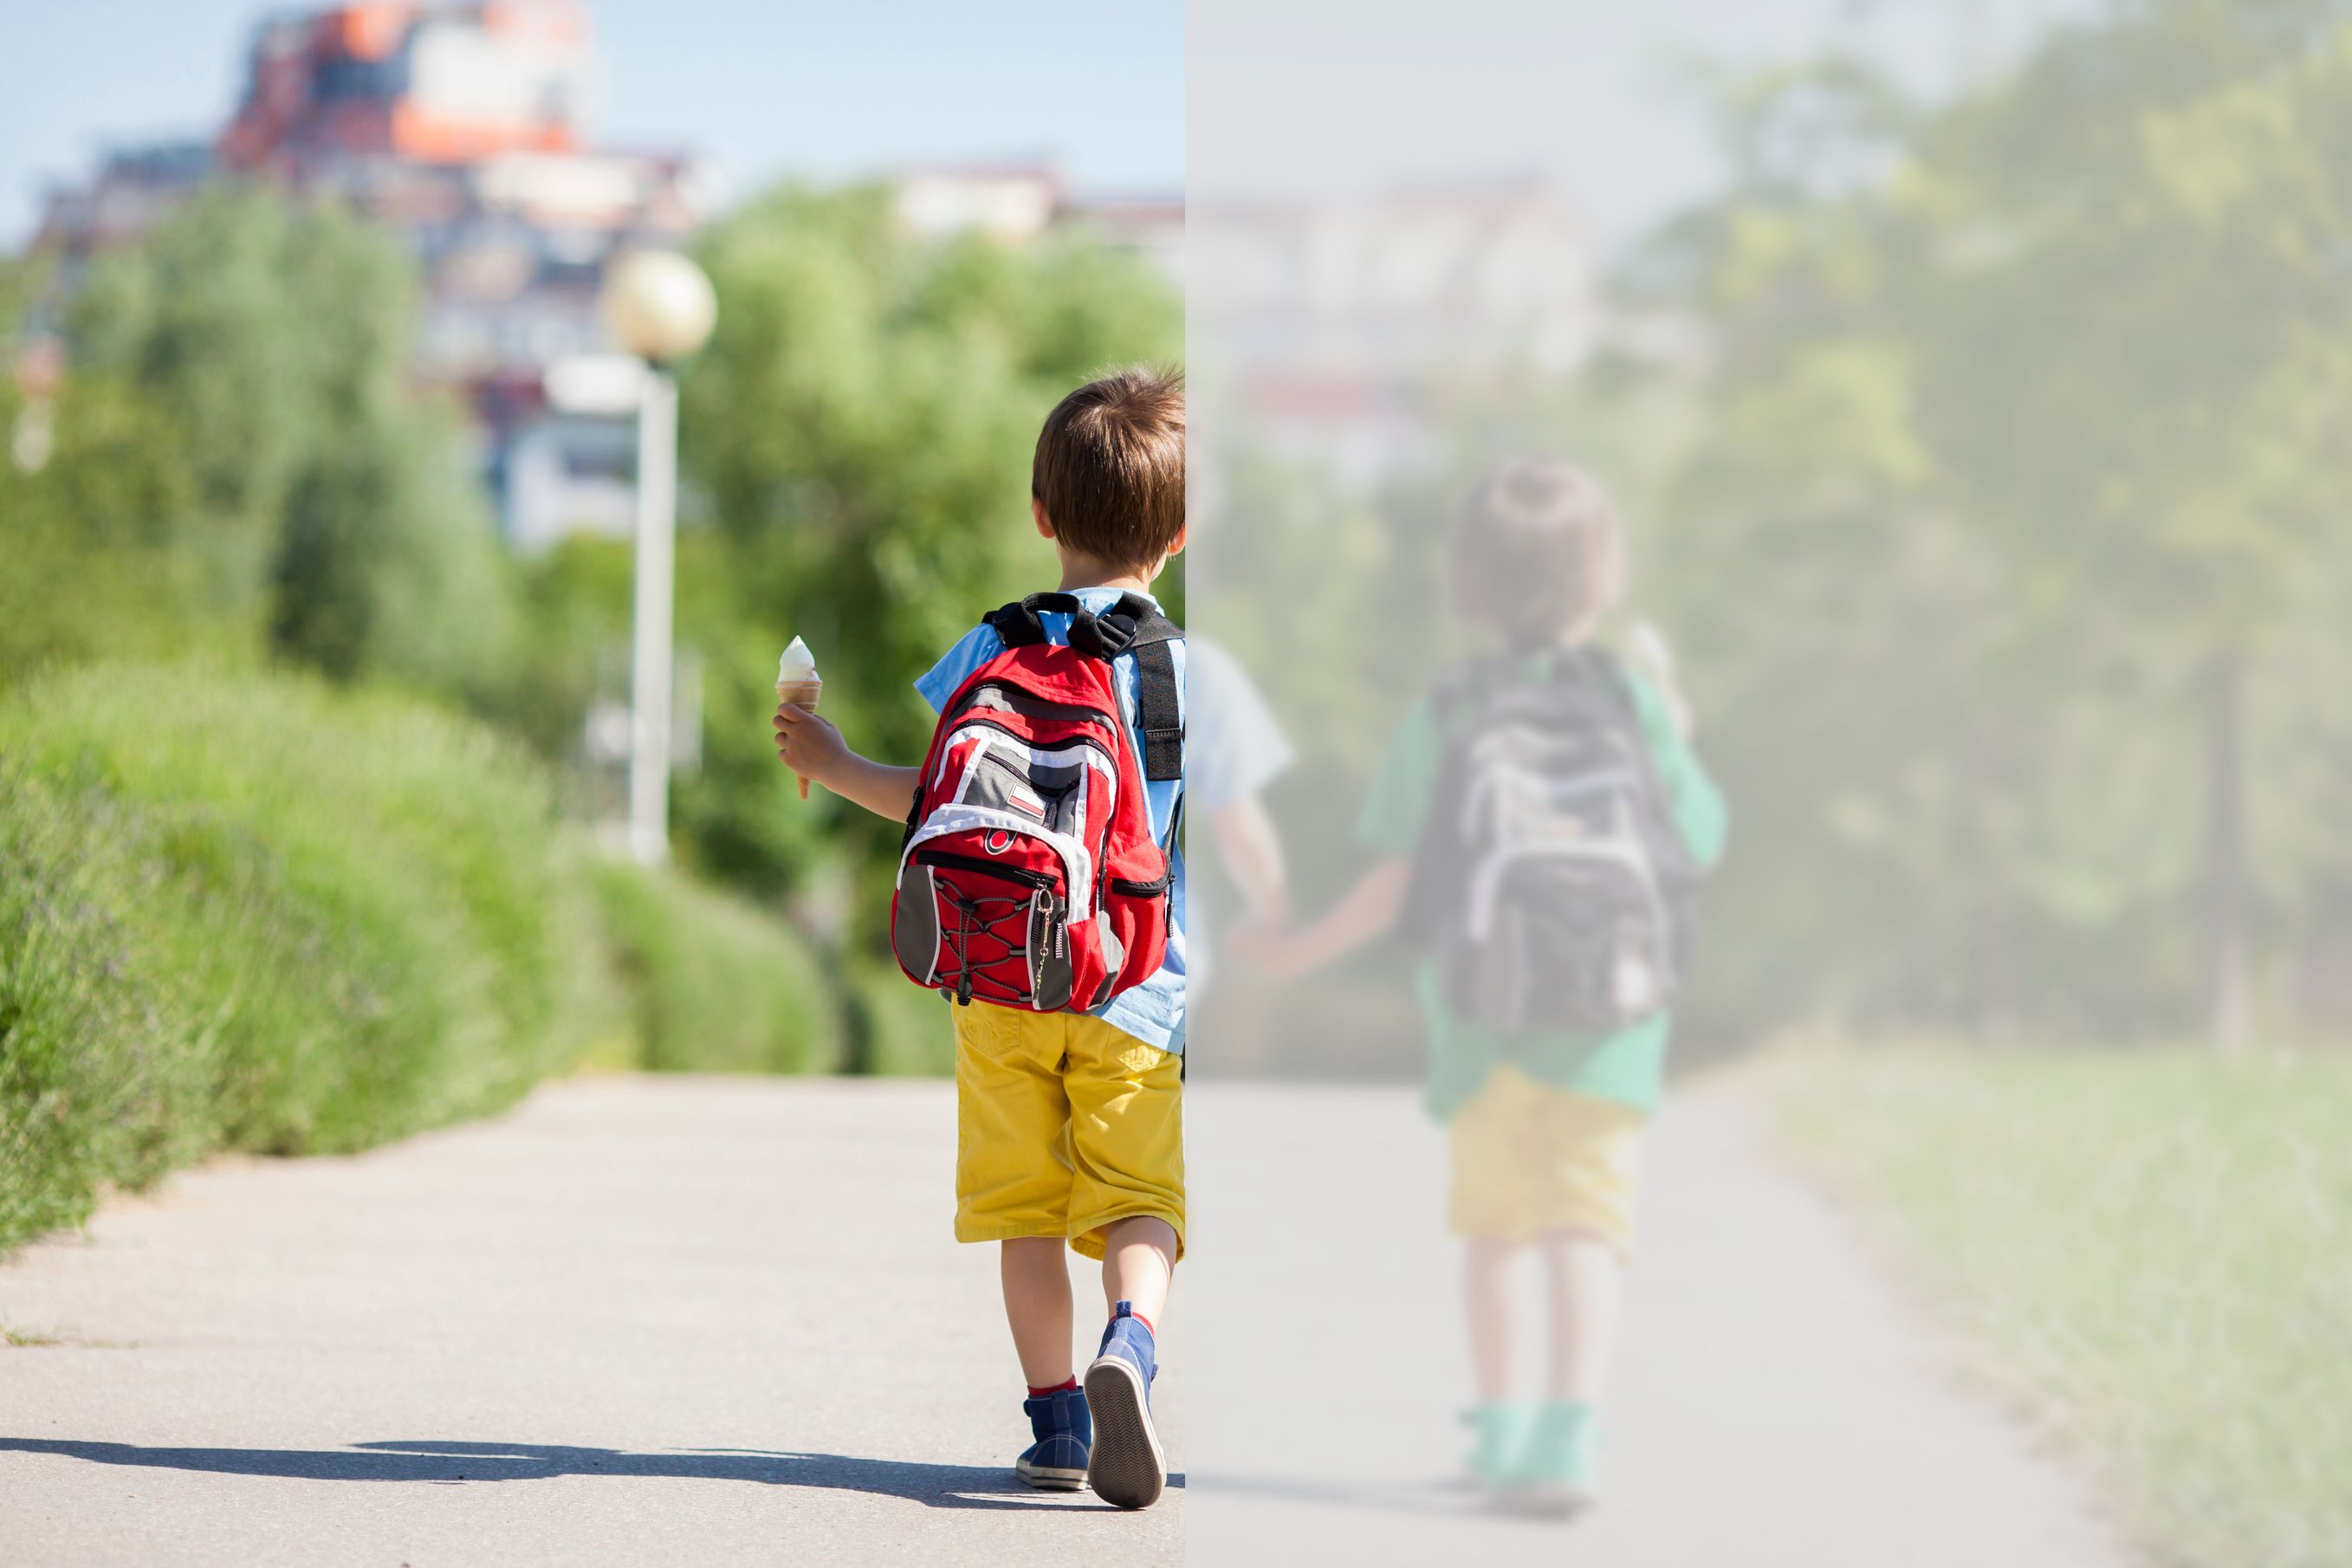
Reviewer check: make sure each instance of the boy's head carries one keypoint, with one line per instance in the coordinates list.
(1538, 555)
(1107, 483)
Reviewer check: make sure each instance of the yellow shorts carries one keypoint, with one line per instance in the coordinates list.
(1529, 1158)
(1064, 1124)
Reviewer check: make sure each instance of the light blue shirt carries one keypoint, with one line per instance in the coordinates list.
(1235, 749)
(1152, 1012)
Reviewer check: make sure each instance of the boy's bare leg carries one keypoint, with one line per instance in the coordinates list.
(1487, 1303)
(1037, 1305)
(1127, 1465)
(1139, 1260)
(1586, 1279)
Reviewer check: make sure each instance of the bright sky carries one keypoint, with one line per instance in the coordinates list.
(1097, 86)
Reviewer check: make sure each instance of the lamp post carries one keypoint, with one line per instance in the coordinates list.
(658, 306)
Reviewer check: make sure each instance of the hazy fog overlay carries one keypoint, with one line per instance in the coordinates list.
(1966, 426)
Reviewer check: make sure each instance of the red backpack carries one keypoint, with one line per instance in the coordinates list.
(1029, 877)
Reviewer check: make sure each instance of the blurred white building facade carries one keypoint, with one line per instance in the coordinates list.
(1017, 203)
(1328, 320)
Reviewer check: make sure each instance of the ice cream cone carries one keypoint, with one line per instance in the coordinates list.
(798, 685)
(803, 695)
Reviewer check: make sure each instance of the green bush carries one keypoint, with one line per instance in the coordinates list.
(74, 971)
(714, 984)
(262, 913)
(899, 1029)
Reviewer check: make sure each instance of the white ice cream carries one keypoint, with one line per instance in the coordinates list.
(798, 664)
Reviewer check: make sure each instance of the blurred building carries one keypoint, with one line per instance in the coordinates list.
(1007, 202)
(462, 129)
(1342, 316)
(1018, 203)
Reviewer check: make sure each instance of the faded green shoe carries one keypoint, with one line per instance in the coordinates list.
(1500, 1425)
(1556, 1468)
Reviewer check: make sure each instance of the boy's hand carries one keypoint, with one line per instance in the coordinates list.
(811, 746)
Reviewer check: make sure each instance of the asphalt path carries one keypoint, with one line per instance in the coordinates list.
(716, 1321)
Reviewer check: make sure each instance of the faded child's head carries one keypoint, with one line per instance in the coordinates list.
(1538, 554)
(1107, 483)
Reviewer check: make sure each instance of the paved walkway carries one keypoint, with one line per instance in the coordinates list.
(1777, 1405)
(718, 1321)
(640, 1322)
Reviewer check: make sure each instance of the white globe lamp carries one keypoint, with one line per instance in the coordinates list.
(657, 304)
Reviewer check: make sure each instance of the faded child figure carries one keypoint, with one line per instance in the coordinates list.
(1540, 824)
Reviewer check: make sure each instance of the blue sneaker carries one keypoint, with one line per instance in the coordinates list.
(1056, 1461)
(1128, 1469)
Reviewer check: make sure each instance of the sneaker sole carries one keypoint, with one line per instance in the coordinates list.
(1126, 1467)
(1050, 1478)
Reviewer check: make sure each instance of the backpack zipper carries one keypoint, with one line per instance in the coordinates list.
(950, 859)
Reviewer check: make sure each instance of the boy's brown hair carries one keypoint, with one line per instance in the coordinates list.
(1537, 552)
(1110, 467)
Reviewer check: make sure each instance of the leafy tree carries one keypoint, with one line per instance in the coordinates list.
(388, 565)
(241, 465)
(2006, 534)
(2136, 348)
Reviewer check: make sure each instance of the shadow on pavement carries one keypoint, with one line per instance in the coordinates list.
(934, 1486)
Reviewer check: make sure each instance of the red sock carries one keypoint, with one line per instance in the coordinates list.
(1066, 1384)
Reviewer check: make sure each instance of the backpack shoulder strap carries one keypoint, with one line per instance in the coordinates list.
(1459, 692)
(1159, 716)
(1020, 623)
(1134, 626)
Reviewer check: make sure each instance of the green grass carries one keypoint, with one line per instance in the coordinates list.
(2153, 1249)
(715, 984)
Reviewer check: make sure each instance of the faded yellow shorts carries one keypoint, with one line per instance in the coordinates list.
(1529, 1158)
(1064, 1124)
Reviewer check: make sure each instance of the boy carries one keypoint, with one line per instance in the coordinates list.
(1069, 1125)
(1545, 1120)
